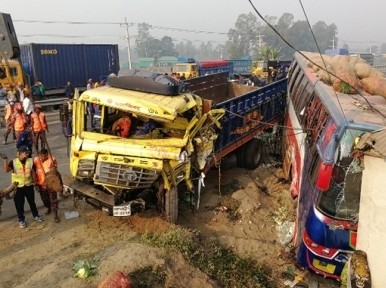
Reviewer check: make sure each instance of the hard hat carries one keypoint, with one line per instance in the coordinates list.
(38, 106)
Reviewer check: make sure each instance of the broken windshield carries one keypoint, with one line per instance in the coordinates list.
(341, 200)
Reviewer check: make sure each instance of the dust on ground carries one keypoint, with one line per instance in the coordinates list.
(241, 214)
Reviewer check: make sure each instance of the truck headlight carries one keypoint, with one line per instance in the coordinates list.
(84, 173)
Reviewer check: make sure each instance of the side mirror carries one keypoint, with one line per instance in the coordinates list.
(324, 176)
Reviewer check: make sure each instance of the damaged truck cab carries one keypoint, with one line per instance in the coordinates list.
(169, 137)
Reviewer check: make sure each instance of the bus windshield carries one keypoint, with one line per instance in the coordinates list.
(341, 200)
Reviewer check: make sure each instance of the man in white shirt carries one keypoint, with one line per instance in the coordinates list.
(28, 107)
(20, 88)
(90, 85)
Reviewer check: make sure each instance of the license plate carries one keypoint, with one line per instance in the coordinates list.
(323, 266)
(68, 190)
(122, 210)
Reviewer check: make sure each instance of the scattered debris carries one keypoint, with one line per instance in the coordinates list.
(116, 280)
(71, 214)
(85, 268)
(285, 232)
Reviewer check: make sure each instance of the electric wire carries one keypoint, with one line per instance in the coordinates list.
(271, 124)
(324, 62)
(317, 65)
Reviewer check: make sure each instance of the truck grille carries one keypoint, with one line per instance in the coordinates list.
(125, 176)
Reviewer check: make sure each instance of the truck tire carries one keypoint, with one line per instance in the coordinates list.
(252, 154)
(239, 153)
(171, 205)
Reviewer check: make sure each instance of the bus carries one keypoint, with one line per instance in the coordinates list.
(323, 127)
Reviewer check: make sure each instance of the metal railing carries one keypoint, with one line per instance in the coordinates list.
(43, 103)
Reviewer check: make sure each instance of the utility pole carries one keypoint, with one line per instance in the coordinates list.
(333, 42)
(127, 38)
(260, 39)
(260, 43)
(371, 45)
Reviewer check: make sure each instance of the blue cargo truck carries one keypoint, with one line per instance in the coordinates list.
(249, 112)
(55, 64)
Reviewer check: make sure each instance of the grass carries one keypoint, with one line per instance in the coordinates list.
(149, 277)
(219, 263)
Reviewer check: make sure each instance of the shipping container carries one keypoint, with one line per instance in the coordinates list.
(55, 64)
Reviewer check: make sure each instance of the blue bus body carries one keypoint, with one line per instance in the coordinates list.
(326, 223)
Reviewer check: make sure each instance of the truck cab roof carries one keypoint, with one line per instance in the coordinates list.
(155, 106)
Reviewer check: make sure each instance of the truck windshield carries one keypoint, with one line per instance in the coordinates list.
(341, 200)
(181, 68)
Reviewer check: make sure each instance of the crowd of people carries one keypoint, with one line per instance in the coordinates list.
(29, 126)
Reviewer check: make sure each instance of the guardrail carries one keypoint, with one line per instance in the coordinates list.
(43, 103)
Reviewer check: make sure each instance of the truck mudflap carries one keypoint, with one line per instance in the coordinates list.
(99, 199)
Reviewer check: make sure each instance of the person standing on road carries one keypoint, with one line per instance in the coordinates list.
(3, 93)
(9, 109)
(42, 89)
(39, 127)
(45, 163)
(28, 108)
(18, 120)
(25, 140)
(69, 90)
(90, 85)
(23, 172)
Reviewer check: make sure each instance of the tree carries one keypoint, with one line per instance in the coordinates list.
(191, 50)
(269, 53)
(244, 36)
(325, 35)
(181, 49)
(345, 46)
(167, 47)
(143, 40)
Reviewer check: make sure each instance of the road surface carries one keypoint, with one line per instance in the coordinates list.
(58, 147)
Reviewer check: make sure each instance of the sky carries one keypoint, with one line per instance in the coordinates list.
(360, 23)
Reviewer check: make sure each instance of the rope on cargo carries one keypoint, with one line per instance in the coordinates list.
(323, 68)
(270, 124)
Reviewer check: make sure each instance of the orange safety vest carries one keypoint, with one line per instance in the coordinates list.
(8, 112)
(39, 170)
(121, 127)
(20, 120)
(43, 167)
(39, 122)
(49, 164)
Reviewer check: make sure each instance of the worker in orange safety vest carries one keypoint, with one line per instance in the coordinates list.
(39, 127)
(18, 120)
(9, 110)
(45, 163)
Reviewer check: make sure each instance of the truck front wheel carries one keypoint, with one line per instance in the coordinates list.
(171, 205)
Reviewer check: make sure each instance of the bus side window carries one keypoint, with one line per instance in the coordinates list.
(295, 84)
(314, 166)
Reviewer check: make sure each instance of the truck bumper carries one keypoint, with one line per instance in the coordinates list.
(99, 199)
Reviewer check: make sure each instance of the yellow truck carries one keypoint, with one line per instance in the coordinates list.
(125, 171)
(174, 139)
(10, 72)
